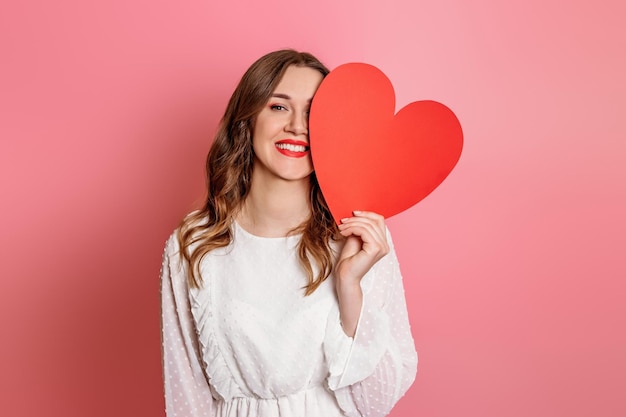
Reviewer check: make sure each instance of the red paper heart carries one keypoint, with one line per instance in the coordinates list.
(367, 158)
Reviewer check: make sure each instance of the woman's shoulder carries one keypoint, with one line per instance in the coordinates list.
(189, 222)
(195, 231)
(172, 244)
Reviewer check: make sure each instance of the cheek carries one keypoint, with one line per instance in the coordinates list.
(262, 131)
(310, 161)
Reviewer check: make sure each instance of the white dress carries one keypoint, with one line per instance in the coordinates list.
(250, 344)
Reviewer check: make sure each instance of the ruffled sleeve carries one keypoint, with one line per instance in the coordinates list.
(370, 372)
(187, 392)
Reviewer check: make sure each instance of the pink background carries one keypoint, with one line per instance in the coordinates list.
(514, 268)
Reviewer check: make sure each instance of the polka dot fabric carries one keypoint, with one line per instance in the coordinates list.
(250, 344)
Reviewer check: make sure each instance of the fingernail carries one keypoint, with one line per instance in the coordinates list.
(357, 212)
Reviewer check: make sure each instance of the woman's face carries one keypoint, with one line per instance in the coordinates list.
(280, 138)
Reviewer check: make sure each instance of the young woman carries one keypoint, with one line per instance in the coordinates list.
(269, 308)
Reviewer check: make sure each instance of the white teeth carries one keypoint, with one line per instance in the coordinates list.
(290, 147)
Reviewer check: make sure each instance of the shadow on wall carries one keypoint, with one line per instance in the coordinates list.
(91, 331)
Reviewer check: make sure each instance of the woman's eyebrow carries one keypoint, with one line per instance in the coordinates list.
(285, 96)
(280, 95)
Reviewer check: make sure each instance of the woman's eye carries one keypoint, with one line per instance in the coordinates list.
(278, 107)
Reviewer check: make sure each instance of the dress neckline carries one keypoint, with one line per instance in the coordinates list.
(240, 229)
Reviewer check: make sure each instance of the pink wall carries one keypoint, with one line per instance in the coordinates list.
(514, 267)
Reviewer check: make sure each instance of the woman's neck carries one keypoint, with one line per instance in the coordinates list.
(275, 208)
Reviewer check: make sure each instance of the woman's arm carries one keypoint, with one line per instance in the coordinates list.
(366, 243)
(187, 392)
(372, 370)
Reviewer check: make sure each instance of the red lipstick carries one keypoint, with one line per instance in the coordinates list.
(292, 148)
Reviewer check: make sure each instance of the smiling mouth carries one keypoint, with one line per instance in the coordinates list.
(291, 147)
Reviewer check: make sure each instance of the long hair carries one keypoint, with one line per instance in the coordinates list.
(229, 169)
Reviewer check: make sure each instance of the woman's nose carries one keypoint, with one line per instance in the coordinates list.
(298, 124)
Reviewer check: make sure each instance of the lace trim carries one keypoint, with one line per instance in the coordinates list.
(215, 366)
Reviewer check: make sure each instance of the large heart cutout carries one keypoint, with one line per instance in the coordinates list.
(367, 158)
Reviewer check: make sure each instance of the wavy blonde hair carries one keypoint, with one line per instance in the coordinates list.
(229, 169)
